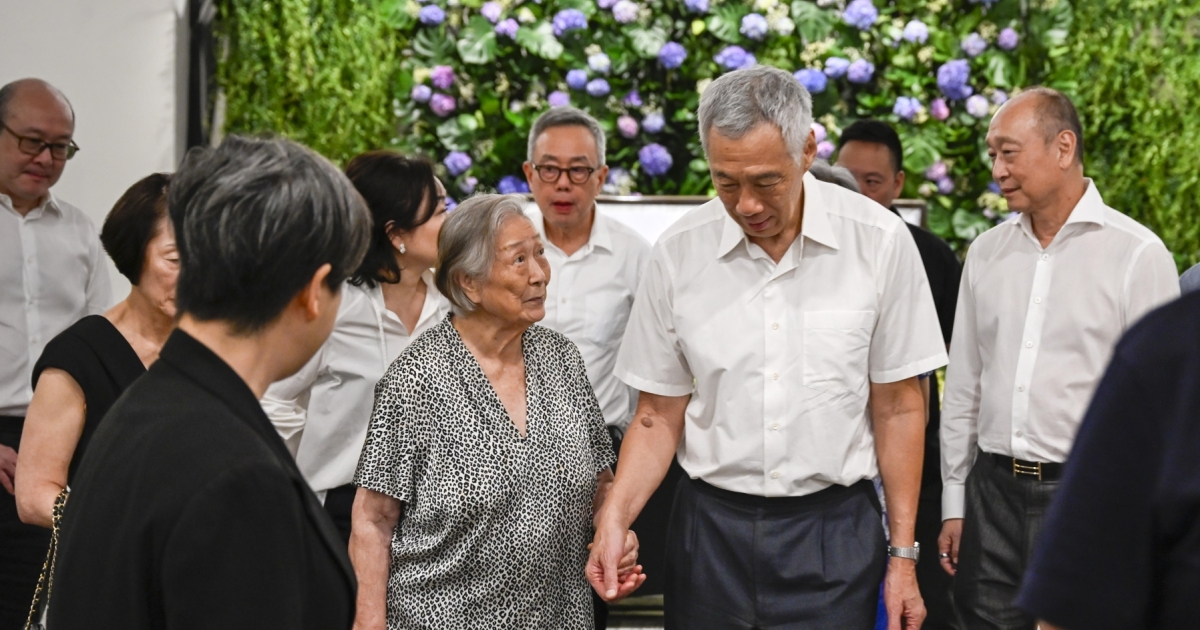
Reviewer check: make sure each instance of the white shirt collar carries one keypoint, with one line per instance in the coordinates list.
(49, 203)
(600, 236)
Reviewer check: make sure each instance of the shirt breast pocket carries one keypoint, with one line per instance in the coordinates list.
(837, 345)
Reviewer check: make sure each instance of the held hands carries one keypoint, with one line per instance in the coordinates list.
(948, 543)
(905, 608)
(8, 468)
(612, 567)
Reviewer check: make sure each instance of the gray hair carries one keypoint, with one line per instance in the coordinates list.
(467, 243)
(567, 117)
(254, 220)
(741, 100)
(830, 174)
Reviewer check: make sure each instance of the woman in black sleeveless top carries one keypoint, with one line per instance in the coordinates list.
(83, 370)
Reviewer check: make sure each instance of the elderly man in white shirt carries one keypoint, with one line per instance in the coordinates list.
(1043, 300)
(776, 340)
(52, 273)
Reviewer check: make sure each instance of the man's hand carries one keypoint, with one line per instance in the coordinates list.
(612, 567)
(905, 608)
(948, 543)
(8, 468)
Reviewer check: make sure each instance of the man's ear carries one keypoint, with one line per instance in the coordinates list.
(310, 298)
(1065, 144)
(899, 184)
(810, 150)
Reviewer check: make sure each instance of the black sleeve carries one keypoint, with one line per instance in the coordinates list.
(951, 278)
(1093, 566)
(235, 557)
(68, 353)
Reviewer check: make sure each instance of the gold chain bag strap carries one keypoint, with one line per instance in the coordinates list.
(41, 596)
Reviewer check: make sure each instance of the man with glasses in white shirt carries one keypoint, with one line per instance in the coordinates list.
(52, 273)
(595, 265)
(776, 339)
(1043, 300)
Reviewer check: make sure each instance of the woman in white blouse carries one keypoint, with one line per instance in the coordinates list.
(323, 410)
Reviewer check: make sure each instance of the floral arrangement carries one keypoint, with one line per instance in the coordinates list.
(474, 75)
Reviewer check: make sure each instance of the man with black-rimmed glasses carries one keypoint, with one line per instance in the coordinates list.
(52, 273)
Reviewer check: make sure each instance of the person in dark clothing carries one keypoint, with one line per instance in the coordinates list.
(190, 512)
(871, 151)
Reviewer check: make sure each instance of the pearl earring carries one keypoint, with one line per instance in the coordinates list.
(402, 250)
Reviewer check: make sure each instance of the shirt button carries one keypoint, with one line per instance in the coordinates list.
(1019, 433)
(775, 475)
(1045, 256)
(1020, 388)
(1037, 300)
(775, 377)
(774, 326)
(775, 427)
(1028, 344)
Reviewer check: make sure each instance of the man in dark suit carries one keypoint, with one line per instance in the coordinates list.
(188, 511)
(871, 151)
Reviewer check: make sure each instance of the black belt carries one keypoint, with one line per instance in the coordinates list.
(1042, 471)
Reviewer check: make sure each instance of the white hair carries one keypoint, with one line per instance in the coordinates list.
(741, 100)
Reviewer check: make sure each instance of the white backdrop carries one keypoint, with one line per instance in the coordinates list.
(123, 65)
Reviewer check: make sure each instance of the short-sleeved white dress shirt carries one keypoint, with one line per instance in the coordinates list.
(589, 298)
(778, 358)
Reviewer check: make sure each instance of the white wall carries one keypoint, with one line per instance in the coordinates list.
(123, 65)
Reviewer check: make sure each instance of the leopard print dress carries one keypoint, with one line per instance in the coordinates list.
(495, 527)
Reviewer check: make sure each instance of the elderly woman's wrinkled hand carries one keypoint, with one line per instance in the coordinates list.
(629, 572)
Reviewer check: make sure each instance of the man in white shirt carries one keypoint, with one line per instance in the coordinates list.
(1044, 299)
(52, 273)
(776, 341)
(595, 264)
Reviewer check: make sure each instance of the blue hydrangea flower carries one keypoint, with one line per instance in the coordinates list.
(510, 184)
(421, 93)
(974, 45)
(605, 4)
(599, 63)
(558, 99)
(625, 11)
(916, 32)
(457, 163)
(1007, 39)
(906, 107)
(671, 55)
(825, 149)
(577, 79)
(937, 170)
(952, 79)
(999, 97)
(598, 87)
(861, 14)
(813, 80)
(468, 184)
(994, 187)
(735, 58)
(945, 185)
(451, 204)
(860, 71)
(754, 26)
(508, 28)
(653, 123)
(568, 20)
(491, 11)
(431, 15)
(633, 99)
(977, 106)
(696, 6)
(656, 160)
(836, 67)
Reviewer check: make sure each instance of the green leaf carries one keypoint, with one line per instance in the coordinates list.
(433, 45)
(397, 14)
(452, 136)
(698, 165)
(726, 19)
(999, 69)
(467, 122)
(812, 22)
(477, 42)
(968, 225)
(647, 41)
(540, 40)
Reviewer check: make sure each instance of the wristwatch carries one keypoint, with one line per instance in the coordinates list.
(912, 553)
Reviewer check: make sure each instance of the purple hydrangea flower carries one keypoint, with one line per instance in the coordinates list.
(994, 187)
(939, 109)
(916, 32)
(860, 14)
(491, 11)
(671, 55)
(442, 105)
(952, 79)
(656, 160)
(605, 4)
(1007, 39)
(633, 99)
(625, 11)
(813, 80)
(442, 77)
(860, 71)
(754, 26)
(819, 132)
(653, 123)
(510, 184)
(616, 174)
(431, 15)
(558, 99)
(569, 20)
(945, 185)
(999, 97)
(467, 185)
(599, 63)
(735, 58)
(974, 45)
(696, 6)
(508, 28)
(598, 87)
(906, 107)
(577, 79)
(836, 67)
(937, 170)
(825, 149)
(421, 93)
(451, 204)
(628, 126)
(457, 163)
(977, 106)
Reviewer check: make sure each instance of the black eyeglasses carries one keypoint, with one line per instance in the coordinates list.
(550, 173)
(35, 146)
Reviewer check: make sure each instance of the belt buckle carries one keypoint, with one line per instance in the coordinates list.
(1032, 471)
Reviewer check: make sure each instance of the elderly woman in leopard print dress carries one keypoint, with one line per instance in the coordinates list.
(486, 454)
